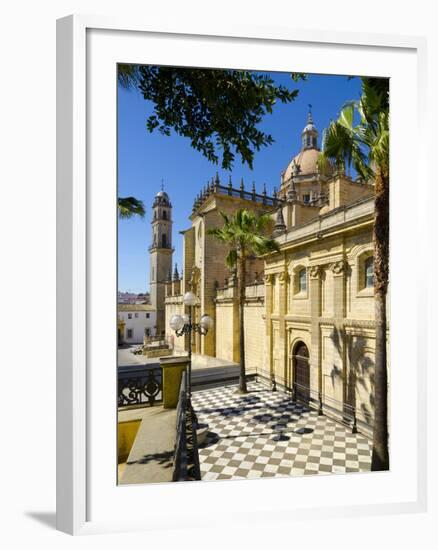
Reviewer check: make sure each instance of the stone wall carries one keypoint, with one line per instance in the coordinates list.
(227, 325)
(225, 342)
(174, 306)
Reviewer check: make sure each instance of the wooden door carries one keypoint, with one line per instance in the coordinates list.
(301, 372)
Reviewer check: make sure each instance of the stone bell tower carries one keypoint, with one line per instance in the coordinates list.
(160, 253)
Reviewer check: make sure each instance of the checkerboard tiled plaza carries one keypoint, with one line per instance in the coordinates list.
(266, 434)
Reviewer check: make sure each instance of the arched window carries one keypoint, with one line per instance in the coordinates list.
(164, 241)
(164, 215)
(369, 272)
(301, 281)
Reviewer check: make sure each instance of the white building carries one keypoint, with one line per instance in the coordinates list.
(136, 321)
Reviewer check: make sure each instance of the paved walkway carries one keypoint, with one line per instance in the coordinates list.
(266, 434)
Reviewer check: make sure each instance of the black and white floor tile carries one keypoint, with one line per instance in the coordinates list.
(266, 434)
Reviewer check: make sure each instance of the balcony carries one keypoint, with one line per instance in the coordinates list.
(156, 427)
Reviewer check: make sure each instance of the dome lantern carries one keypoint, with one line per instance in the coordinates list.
(161, 199)
(309, 135)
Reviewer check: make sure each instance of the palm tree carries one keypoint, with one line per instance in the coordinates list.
(366, 147)
(129, 207)
(244, 234)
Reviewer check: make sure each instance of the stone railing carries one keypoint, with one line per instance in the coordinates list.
(255, 290)
(227, 293)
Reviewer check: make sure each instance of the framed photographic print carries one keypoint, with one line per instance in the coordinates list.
(235, 316)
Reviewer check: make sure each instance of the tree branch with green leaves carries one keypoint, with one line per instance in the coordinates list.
(218, 110)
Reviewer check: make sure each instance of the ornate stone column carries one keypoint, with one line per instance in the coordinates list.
(339, 270)
(282, 343)
(315, 333)
(268, 325)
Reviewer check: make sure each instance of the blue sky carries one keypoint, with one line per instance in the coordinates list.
(145, 159)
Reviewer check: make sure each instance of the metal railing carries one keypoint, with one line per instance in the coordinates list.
(347, 414)
(186, 457)
(139, 386)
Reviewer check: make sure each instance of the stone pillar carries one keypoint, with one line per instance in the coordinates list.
(172, 369)
(120, 331)
(282, 343)
(268, 325)
(338, 269)
(208, 342)
(315, 332)
(339, 290)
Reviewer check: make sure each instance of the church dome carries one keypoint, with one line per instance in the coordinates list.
(303, 164)
(306, 162)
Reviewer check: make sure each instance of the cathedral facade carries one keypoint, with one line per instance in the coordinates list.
(309, 308)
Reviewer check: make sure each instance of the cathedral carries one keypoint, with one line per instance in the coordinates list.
(309, 308)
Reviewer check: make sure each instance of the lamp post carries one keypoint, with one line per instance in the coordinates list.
(182, 325)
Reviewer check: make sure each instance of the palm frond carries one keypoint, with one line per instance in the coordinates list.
(346, 117)
(231, 258)
(366, 144)
(129, 207)
(244, 233)
(128, 75)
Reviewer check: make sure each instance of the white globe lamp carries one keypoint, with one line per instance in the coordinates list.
(206, 322)
(189, 299)
(176, 322)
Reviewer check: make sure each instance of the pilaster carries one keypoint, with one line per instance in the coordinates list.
(339, 270)
(282, 310)
(315, 336)
(268, 324)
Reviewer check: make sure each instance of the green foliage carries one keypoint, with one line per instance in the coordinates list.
(129, 207)
(244, 233)
(296, 77)
(128, 75)
(366, 144)
(215, 109)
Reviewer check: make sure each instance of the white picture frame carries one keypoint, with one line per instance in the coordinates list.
(80, 495)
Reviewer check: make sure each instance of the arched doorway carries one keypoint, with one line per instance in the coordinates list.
(301, 372)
